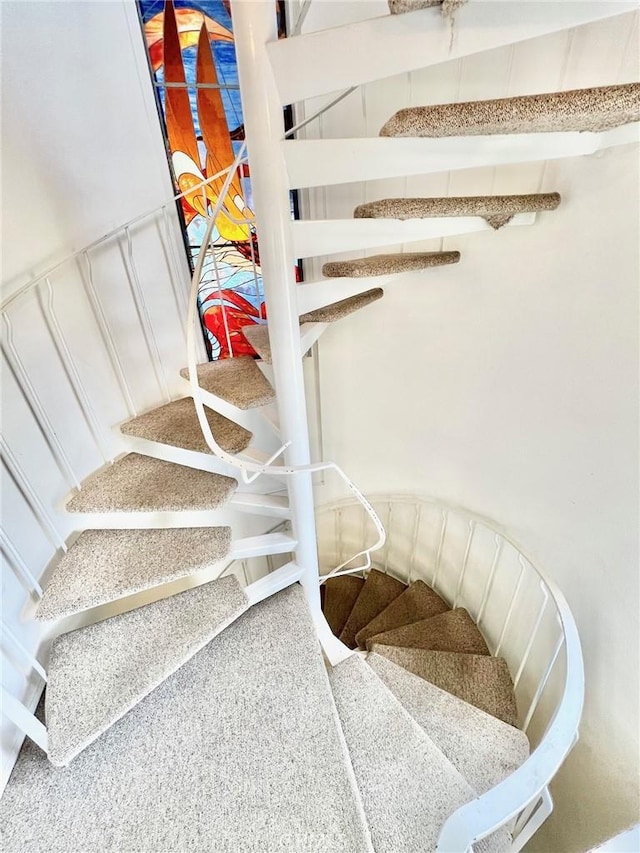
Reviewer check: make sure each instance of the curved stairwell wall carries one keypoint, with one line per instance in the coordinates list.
(82, 154)
(508, 382)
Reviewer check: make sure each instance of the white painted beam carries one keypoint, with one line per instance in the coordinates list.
(309, 334)
(273, 582)
(325, 291)
(260, 546)
(330, 236)
(319, 162)
(329, 60)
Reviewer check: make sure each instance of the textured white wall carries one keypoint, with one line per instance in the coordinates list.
(509, 383)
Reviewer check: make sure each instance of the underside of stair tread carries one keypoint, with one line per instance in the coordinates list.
(399, 7)
(218, 757)
(482, 748)
(575, 110)
(338, 310)
(498, 210)
(176, 423)
(377, 593)
(408, 786)
(388, 264)
(480, 680)
(136, 483)
(258, 337)
(340, 594)
(238, 380)
(99, 673)
(416, 603)
(453, 631)
(105, 565)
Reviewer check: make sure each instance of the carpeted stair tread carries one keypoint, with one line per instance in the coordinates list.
(552, 112)
(338, 310)
(453, 631)
(105, 565)
(239, 750)
(258, 336)
(483, 749)
(480, 680)
(99, 673)
(399, 7)
(388, 264)
(498, 210)
(237, 380)
(176, 423)
(136, 483)
(408, 787)
(416, 603)
(377, 593)
(340, 594)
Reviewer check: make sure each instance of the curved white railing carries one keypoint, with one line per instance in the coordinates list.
(250, 470)
(525, 619)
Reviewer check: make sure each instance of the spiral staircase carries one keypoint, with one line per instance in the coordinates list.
(188, 705)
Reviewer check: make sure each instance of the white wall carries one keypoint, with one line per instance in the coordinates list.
(81, 150)
(509, 383)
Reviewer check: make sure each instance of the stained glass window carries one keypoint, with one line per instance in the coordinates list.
(193, 61)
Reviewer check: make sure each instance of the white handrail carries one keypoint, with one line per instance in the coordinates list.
(482, 816)
(526, 785)
(246, 467)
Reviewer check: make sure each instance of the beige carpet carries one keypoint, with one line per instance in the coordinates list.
(377, 593)
(575, 110)
(136, 483)
(237, 380)
(497, 210)
(453, 631)
(338, 310)
(239, 751)
(480, 680)
(388, 264)
(105, 565)
(399, 7)
(408, 786)
(482, 748)
(340, 594)
(177, 424)
(416, 603)
(99, 673)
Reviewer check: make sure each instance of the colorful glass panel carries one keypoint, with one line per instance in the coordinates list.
(192, 57)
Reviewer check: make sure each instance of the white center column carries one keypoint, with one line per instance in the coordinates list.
(254, 25)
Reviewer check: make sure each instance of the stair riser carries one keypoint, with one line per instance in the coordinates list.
(312, 239)
(194, 459)
(327, 162)
(184, 518)
(334, 60)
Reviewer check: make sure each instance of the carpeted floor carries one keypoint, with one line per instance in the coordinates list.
(239, 750)
(98, 673)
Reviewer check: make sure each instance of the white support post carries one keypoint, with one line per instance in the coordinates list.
(255, 26)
